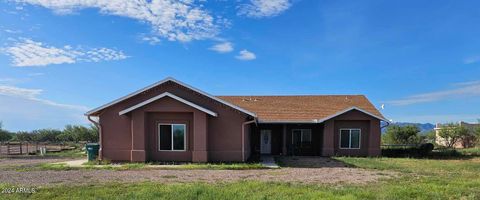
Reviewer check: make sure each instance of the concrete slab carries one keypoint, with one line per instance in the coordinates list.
(269, 162)
(74, 163)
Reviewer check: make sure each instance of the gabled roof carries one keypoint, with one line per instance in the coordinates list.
(269, 109)
(167, 94)
(303, 109)
(94, 111)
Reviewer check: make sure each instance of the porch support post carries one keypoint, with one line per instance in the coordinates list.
(200, 138)
(137, 153)
(284, 140)
(328, 139)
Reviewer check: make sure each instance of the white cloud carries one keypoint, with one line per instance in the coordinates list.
(438, 118)
(20, 92)
(101, 54)
(264, 8)
(181, 20)
(23, 109)
(12, 31)
(8, 80)
(32, 95)
(31, 53)
(246, 55)
(466, 89)
(467, 83)
(153, 40)
(36, 74)
(25, 114)
(471, 59)
(224, 47)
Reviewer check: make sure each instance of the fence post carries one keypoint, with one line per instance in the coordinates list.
(20, 148)
(8, 148)
(27, 149)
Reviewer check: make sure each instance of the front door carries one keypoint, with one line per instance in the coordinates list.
(265, 141)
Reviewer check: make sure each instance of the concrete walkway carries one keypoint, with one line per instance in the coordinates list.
(269, 162)
(74, 163)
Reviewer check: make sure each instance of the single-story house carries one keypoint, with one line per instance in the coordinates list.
(173, 121)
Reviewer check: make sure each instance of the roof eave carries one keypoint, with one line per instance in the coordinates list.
(317, 121)
(167, 94)
(94, 111)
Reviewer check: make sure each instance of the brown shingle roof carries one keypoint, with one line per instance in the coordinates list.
(300, 108)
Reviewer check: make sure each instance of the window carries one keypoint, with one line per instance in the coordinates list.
(350, 138)
(301, 136)
(171, 137)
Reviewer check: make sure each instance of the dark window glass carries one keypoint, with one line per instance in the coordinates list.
(297, 134)
(178, 137)
(355, 139)
(165, 137)
(306, 136)
(344, 139)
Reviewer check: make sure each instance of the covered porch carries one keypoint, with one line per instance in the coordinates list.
(299, 139)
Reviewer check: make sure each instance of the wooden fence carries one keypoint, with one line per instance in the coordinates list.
(20, 148)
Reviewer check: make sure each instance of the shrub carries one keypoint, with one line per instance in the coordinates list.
(401, 135)
(446, 153)
(425, 149)
(422, 150)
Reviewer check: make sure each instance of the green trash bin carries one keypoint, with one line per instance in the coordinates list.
(92, 151)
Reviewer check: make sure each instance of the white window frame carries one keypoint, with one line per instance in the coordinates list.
(350, 138)
(301, 134)
(171, 134)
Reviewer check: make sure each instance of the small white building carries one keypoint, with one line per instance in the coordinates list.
(460, 144)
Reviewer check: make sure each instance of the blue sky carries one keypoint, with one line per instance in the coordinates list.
(60, 58)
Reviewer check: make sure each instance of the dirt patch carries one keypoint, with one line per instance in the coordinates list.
(26, 162)
(294, 175)
(314, 175)
(309, 162)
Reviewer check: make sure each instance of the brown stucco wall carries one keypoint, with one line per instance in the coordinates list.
(222, 134)
(370, 134)
(152, 136)
(363, 125)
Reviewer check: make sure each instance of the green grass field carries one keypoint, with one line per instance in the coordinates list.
(75, 153)
(418, 179)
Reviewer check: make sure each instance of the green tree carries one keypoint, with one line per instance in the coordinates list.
(472, 138)
(4, 134)
(24, 136)
(401, 135)
(453, 133)
(46, 135)
(65, 137)
(429, 136)
(80, 133)
(477, 132)
(92, 134)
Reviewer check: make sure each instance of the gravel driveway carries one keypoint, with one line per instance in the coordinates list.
(320, 175)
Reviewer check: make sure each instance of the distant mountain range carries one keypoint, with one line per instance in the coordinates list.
(423, 127)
